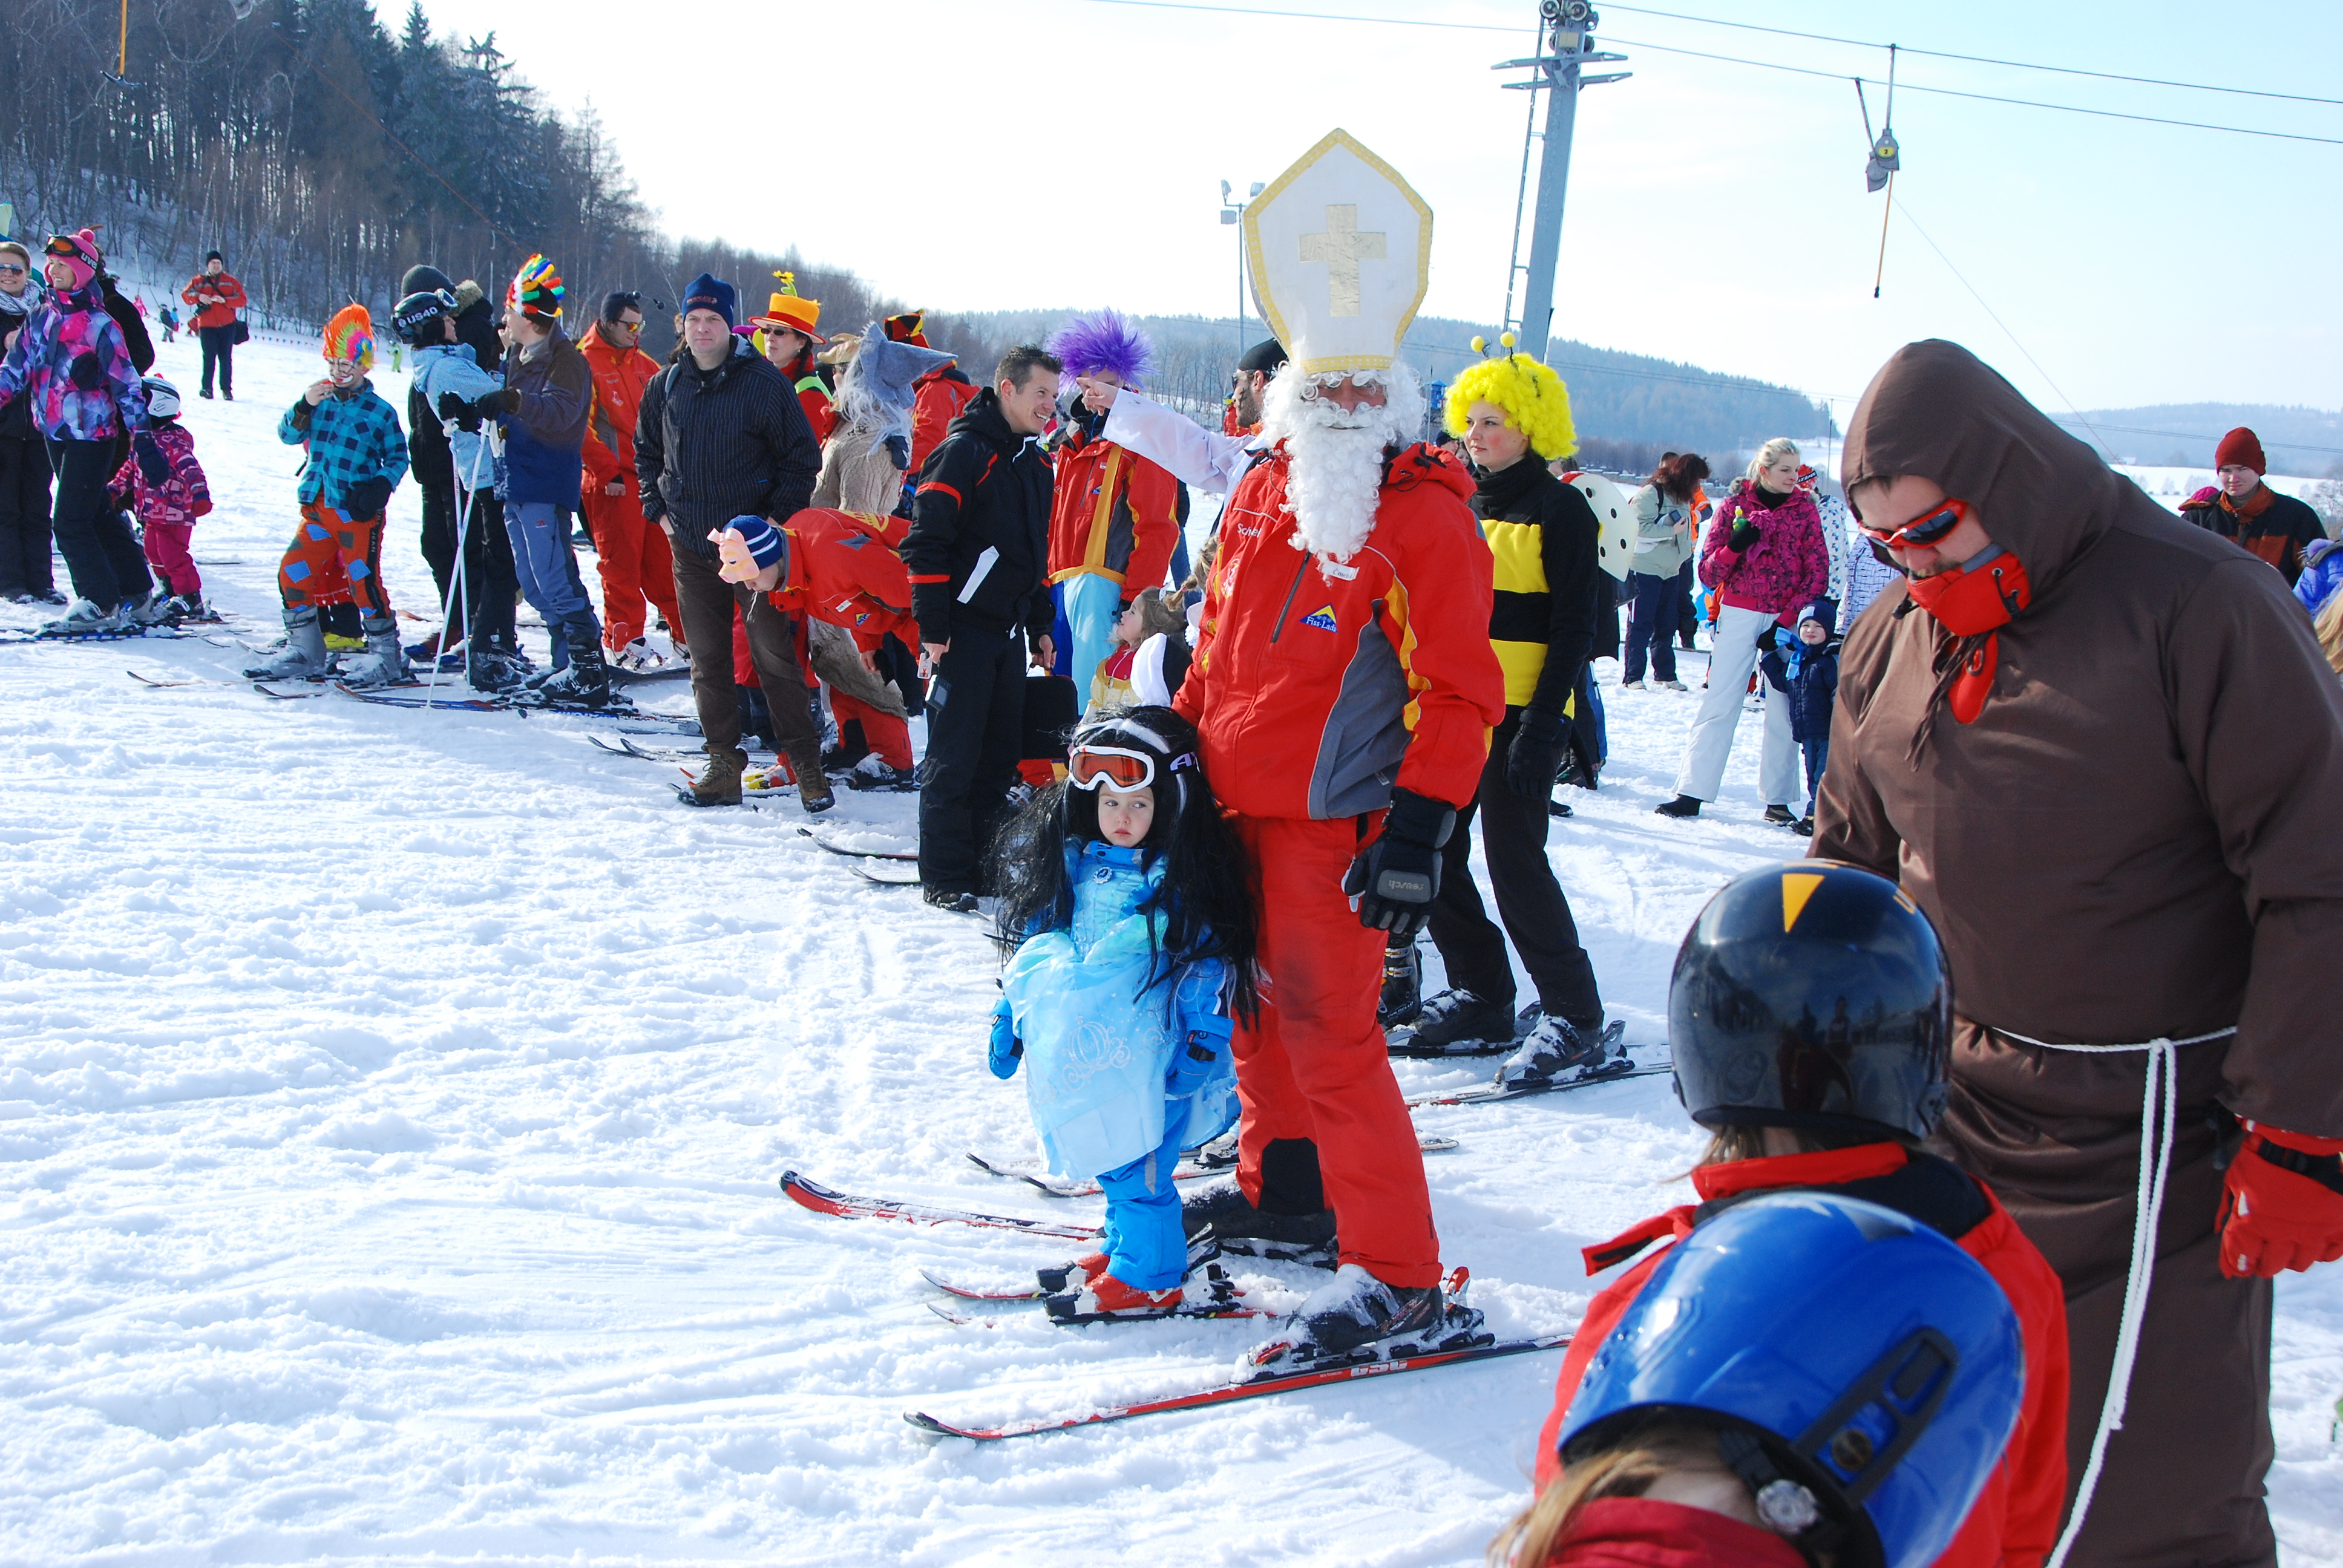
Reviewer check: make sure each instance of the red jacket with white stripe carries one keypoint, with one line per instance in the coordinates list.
(2015, 1521)
(1319, 691)
(1115, 515)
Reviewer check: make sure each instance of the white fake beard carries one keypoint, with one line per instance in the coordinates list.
(1334, 471)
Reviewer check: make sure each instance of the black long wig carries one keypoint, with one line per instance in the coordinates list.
(1207, 896)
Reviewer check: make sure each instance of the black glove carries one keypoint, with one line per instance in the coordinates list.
(1743, 535)
(457, 407)
(88, 371)
(1395, 879)
(1535, 761)
(496, 403)
(899, 451)
(152, 466)
(365, 499)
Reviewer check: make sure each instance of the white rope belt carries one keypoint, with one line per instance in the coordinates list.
(2163, 1069)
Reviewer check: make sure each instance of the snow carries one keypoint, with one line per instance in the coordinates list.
(391, 1111)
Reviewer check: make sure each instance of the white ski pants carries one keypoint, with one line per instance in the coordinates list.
(1738, 644)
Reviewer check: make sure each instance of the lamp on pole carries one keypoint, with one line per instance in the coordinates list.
(1232, 210)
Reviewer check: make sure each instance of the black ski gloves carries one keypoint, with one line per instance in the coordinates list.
(1395, 879)
(457, 407)
(1743, 535)
(366, 498)
(899, 451)
(1534, 760)
(88, 371)
(497, 403)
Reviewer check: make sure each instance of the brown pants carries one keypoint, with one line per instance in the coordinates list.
(2058, 1137)
(708, 603)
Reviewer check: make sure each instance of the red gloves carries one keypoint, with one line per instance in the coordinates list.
(2282, 1205)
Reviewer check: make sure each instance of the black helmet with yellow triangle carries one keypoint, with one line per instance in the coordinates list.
(1813, 996)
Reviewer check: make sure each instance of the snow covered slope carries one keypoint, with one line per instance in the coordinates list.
(390, 1110)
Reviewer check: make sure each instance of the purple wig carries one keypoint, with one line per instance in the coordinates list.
(1106, 341)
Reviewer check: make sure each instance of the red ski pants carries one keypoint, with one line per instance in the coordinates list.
(333, 560)
(884, 733)
(633, 558)
(1315, 1065)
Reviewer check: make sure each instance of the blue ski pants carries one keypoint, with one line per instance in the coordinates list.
(1144, 1245)
(1091, 603)
(548, 568)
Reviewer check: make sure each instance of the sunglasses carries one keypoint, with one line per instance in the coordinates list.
(629, 325)
(1925, 530)
(10, 266)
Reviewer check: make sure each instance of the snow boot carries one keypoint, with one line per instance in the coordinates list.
(1682, 805)
(83, 618)
(1355, 1311)
(719, 783)
(584, 681)
(1460, 1021)
(384, 662)
(1558, 1049)
(302, 657)
(1803, 827)
(813, 785)
(1401, 1001)
(872, 773)
(1220, 1214)
(1780, 816)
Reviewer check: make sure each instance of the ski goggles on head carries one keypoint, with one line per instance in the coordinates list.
(1927, 528)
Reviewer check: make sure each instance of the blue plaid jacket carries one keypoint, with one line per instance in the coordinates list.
(352, 436)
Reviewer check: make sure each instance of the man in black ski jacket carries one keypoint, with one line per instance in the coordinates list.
(721, 435)
(978, 553)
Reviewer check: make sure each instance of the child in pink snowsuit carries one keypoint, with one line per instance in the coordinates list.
(167, 512)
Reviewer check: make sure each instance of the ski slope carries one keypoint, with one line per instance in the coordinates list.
(391, 1105)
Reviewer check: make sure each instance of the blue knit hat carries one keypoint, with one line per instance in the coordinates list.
(763, 539)
(709, 292)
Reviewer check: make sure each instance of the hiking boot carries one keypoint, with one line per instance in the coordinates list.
(1780, 816)
(1220, 1213)
(813, 785)
(1557, 1048)
(1459, 1020)
(1401, 1001)
(719, 783)
(1682, 805)
(302, 657)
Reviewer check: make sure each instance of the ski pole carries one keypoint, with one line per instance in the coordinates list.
(456, 580)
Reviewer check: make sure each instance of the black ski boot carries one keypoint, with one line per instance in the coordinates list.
(1459, 1023)
(1356, 1318)
(1557, 1049)
(1403, 997)
(1221, 1214)
(586, 681)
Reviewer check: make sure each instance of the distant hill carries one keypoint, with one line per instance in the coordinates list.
(2304, 441)
(1625, 398)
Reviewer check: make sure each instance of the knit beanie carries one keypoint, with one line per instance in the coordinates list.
(2242, 447)
(212, 255)
(350, 336)
(764, 540)
(80, 254)
(1265, 357)
(709, 292)
(537, 290)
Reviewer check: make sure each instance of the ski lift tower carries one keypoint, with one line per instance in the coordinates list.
(1565, 49)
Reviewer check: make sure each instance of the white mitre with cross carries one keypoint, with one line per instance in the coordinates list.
(1341, 251)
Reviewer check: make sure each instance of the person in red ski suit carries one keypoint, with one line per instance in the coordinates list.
(632, 554)
(841, 567)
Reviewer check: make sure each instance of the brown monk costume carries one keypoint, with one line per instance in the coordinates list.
(2131, 838)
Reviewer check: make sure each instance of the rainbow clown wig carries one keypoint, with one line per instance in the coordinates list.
(350, 336)
(1534, 400)
(1088, 345)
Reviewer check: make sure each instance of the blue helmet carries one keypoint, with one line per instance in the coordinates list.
(1868, 1373)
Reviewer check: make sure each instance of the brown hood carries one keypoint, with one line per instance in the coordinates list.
(1936, 410)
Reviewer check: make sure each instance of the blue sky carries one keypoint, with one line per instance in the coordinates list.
(1023, 153)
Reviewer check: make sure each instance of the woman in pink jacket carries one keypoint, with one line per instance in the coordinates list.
(1764, 555)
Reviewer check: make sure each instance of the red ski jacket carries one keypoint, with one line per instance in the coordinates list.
(1114, 514)
(216, 300)
(2015, 1520)
(936, 399)
(619, 376)
(843, 568)
(1639, 1532)
(1318, 690)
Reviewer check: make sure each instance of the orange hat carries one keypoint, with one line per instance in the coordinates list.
(350, 336)
(789, 312)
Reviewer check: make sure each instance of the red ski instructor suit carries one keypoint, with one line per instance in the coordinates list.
(1316, 692)
(2013, 1523)
(631, 554)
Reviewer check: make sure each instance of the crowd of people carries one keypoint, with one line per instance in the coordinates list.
(2058, 753)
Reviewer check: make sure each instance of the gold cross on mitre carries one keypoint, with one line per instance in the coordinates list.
(1308, 239)
(1341, 248)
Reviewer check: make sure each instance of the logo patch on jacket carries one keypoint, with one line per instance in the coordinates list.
(1323, 619)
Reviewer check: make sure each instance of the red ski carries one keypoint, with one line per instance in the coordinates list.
(1253, 1387)
(823, 1201)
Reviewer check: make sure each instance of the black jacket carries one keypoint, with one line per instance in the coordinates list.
(133, 329)
(2279, 535)
(715, 444)
(978, 548)
(1562, 615)
(1812, 689)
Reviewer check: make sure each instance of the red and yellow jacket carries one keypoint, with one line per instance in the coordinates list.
(619, 376)
(843, 568)
(1317, 691)
(936, 399)
(2015, 1521)
(220, 313)
(1115, 515)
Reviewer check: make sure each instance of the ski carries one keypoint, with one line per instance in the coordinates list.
(529, 702)
(822, 843)
(26, 636)
(265, 690)
(625, 748)
(684, 793)
(1489, 1093)
(453, 704)
(822, 1199)
(1259, 1387)
(158, 685)
(642, 677)
(884, 879)
(1195, 1165)
(1070, 1319)
(1032, 1292)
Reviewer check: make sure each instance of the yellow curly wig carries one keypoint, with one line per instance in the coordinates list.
(1534, 400)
